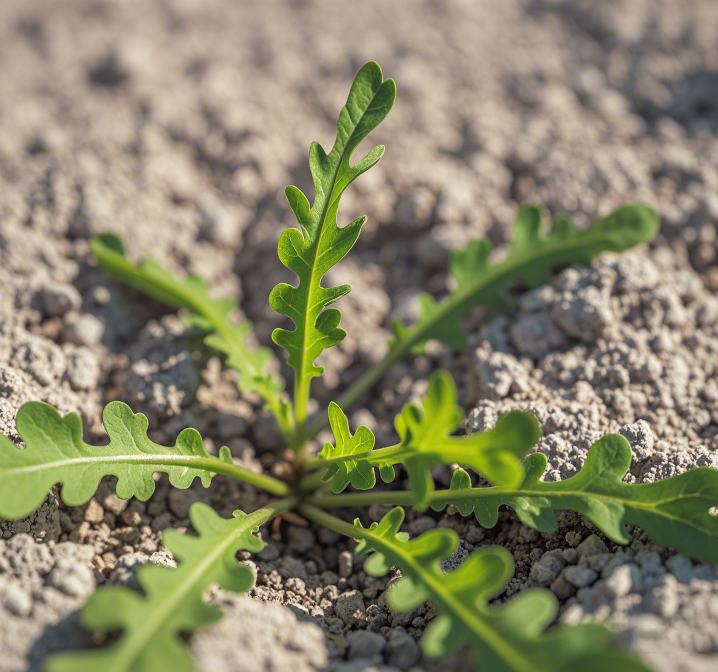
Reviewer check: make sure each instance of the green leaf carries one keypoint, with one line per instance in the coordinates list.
(319, 244)
(208, 314)
(531, 261)
(508, 638)
(56, 453)
(152, 624)
(426, 441)
(359, 472)
(673, 512)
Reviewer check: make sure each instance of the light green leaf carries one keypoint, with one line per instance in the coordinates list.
(56, 453)
(319, 244)
(426, 441)
(359, 472)
(508, 638)
(531, 261)
(152, 624)
(208, 314)
(674, 512)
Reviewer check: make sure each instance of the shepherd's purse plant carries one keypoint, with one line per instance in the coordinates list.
(512, 637)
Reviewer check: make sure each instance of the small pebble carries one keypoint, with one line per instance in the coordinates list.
(57, 298)
(94, 513)
(346, 564)
(83, 329)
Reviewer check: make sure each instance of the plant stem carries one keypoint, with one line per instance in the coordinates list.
(302, 386)
(312, 481)
(406, 498)
(398, 497)
(272, 510)
(268, 483)
(376, 457)
(326, 519)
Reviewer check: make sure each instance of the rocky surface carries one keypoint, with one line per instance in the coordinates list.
(178, 124)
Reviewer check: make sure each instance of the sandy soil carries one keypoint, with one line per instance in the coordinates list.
(177, 125)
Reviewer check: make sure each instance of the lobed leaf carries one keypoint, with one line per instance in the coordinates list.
(426, 441)
(319, 244)
(211, 315)
(674, 512)
(425, 433)
(152, 624)
(508, 638)
(350, 469)
(56, 453)
(532, 259)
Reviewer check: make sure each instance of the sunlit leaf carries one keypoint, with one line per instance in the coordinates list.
(152, 624)
(319, 243)
(426, 440)
(674, 512)
(532, 259)
(55, 453)
(211, 315)
(508, 638)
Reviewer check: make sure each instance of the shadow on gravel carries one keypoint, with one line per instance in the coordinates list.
(62, 636)
(694, 104)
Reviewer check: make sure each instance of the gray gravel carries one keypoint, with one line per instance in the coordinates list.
(177, 125)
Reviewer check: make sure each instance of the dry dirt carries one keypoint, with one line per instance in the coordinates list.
(177, 124)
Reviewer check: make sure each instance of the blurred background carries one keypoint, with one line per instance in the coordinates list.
(177, 124)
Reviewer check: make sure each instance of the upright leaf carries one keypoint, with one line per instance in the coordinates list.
(674, 512)
(509, 638)
(426, 440)
(55, 453)
(531, 261)
(152, 624)
(319, 243)
(208, 314)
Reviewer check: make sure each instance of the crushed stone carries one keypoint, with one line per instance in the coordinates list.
(162, 126)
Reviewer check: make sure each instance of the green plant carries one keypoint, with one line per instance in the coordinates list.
(512, 637)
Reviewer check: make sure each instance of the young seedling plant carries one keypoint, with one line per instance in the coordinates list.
(513, 637)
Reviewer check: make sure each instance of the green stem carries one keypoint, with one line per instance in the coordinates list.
(326, 519)
(405, 498)
(312, 482)
(302, 386)
(398, 497)
(268, 483)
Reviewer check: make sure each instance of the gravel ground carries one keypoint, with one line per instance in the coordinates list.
(178, 124)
